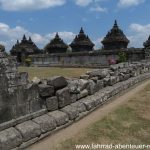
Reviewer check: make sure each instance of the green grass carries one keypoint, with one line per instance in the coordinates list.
(46, 72)
(129, 124)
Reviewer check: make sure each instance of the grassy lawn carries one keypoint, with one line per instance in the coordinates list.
(46, 72)
(129, 124)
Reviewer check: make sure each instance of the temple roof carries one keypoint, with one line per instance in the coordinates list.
(2, 48)
(147, 43)
(56, 42)
(26, 44)
(82, 39)
(115, 35)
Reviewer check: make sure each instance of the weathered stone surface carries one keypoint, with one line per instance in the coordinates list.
(109, 91)
(118, 66)
(86, 77)
(79, 106)
(98, 98)
(91, 87)
(58, 82)
(82, 94)
(28, 130)
(112, 80)
(35, 105)
(106, 81)
(23, 77)
(99, 85)
(73, 98)
(46, 123)
(60, 117)
(127, 76)
(71, 111)
(46, 90)
(94, 79)
(32, 92)
(112, 73)
(36, 80)
(77, 85)
(100, 73)
(9, 139)
(5, 113)
(52, 103)
(89, 103)
(64, 97)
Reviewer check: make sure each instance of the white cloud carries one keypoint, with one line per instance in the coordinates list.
(138, 34)
(98, 43)
(128, 3)
(94, 5)
(17, 5)
(66, 36)
(98, 9)
(9, 35)
(83, 2)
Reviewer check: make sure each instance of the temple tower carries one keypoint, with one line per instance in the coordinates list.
(56, 45)
(115, 39)
(146, 45)
(24, 48)
(81, 43)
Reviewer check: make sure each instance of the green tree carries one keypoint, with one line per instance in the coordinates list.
(28, 61)
(122, 57)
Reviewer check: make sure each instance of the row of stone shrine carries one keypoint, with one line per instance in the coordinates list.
(114, 40)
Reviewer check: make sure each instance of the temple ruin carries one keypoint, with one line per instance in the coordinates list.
(56, 45)
(30, 111)
(24, 48)
(81, 43)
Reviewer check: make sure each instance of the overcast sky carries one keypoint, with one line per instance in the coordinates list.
(41, 19)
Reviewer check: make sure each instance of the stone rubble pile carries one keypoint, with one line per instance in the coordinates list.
(33, 110)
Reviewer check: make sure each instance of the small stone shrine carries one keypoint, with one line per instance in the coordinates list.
(56, 45)
(23, 49)
(147, 48)
(115, 39)
(82, 43)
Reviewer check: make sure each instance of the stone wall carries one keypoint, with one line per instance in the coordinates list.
(30, 111)
(86, 59)
(18, 97)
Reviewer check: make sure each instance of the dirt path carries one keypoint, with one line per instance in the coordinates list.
(50, 142)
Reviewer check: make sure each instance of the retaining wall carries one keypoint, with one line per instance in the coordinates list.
(86, 59)
(64, 101)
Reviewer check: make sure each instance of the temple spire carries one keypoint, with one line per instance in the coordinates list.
(24, 37)
(81, 31)
(115, 25)
(30, 40)
(146, 44)
(17, 41)
(115, 39)
(57, 36)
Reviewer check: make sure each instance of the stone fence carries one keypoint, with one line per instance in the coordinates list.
(30, 111)
(86, 59)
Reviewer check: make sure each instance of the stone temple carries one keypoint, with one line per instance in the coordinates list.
(31, 111)
(115, 39)
(24, 48)
(56, 45)
(81, 43)
(147, 43)
(115, 48)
